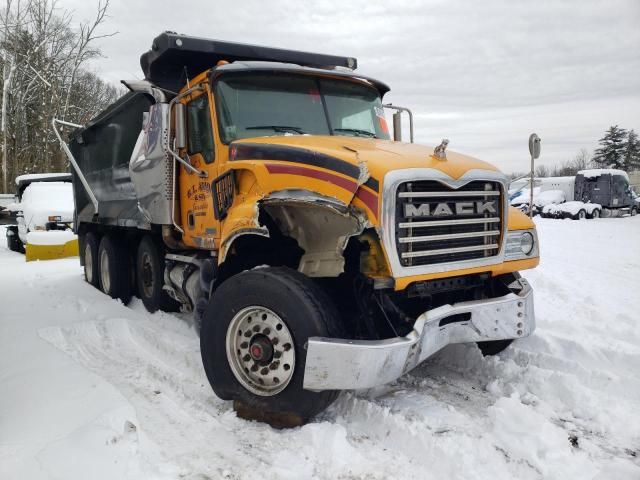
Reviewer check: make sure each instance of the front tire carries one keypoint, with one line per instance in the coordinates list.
(581, 215)
(253, 339)
(114, 269)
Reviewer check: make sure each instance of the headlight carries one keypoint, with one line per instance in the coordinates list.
(521, 244)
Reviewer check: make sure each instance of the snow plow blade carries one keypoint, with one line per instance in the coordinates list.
(50, 245)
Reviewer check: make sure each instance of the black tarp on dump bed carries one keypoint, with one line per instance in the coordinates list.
(103, 149)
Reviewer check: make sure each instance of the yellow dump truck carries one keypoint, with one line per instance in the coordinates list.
(263, 190)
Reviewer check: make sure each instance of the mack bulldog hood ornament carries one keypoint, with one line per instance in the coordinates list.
(440, 151)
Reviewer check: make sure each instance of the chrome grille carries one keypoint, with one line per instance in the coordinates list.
(437, 224)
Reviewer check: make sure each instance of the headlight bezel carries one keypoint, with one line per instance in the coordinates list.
(515, 241)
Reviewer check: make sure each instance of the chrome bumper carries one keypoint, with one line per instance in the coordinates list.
(334, 364)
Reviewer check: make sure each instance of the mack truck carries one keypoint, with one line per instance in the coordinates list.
(263, 190)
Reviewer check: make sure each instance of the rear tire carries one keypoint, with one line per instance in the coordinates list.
(299, 309)
(150, 277)
(114, 269)
(634, 211)
(90, 258)
(595, 213)
(493, 347)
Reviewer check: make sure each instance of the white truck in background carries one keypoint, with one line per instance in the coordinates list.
(590, 194)
(43, 202)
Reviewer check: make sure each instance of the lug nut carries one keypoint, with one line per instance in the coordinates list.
(286, 366)
(519, 324)
(247, 334)
(277, 354)
(287, 347)
(274, 365)
(254, 367)
(276, 380)
(244, 345)
(266, 331)
(264, 316)
(519, 332)
(256, 328)
(264, 371)
(246, 358)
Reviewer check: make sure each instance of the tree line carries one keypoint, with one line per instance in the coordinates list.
(618, 148)
(43, 55)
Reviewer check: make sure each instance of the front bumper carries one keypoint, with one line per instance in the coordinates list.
(334, 364)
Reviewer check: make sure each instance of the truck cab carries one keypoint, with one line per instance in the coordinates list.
(263, 190)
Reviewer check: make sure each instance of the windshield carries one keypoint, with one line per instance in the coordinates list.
(255, 105)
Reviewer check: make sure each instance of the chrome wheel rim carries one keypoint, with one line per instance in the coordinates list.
(147, 275)
(260, 351)
(105, 278)
(88, 263)
(581, 214)
(596, 213)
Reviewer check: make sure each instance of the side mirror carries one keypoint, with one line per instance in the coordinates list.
(534, 146)
(181, 126)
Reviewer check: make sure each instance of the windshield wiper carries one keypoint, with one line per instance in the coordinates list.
(278, 128)
(357, 132)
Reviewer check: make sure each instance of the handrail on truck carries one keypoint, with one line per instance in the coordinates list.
(72, 160)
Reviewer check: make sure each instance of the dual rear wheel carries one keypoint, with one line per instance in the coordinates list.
(109, 263)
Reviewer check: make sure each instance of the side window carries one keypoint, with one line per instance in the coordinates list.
(200, 136)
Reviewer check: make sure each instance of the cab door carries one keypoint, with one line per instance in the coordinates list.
(201, 229)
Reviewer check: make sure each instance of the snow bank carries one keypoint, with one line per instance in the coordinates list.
(94, 389)
(53, 237)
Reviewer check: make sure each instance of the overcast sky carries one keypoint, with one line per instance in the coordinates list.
(484, 74)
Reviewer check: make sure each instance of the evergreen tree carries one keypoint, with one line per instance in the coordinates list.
(611, 153)
(632, 152)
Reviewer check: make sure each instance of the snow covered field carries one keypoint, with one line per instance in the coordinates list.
(90, 389)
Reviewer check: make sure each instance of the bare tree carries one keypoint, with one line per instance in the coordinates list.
(43, 54)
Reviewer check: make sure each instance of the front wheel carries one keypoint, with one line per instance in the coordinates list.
(634, 211)
(595, 213)
(253, 343)
(581, 215)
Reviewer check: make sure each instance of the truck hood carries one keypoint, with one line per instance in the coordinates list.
(374, 157)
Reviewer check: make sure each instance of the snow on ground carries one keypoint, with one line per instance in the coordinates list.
(92, 389)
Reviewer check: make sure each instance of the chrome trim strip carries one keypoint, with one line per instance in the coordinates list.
(387, 229)
(444, 251)
(442, 223)
(479, 193)
(450, 236)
